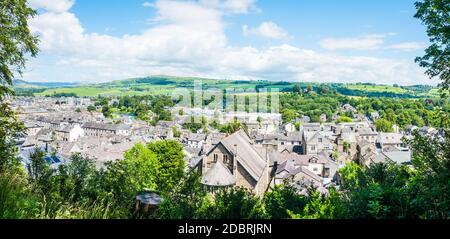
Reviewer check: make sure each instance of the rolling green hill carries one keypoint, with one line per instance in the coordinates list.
(21, 84)
(166, 84)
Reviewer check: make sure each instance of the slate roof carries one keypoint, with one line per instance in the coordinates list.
(294, 136)
(363, 143)
(123, 127)
(193, 151)
(159, 131)
(65, 129)
(48, 120)
(291, 148)
(349, 137)
(311, 126)
(389, 138)
(292, 168)
(241, 145)
(164, 123)
(214, 138)
(32, 125)
(400, 156)
(30, 141)
(65, 148)
(196, 137)
(366, 131)
(290, 161)
(309, 136)
(218, 175)
(101, 126)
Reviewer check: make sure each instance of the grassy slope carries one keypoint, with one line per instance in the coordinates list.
(378, 88)
(165, 85)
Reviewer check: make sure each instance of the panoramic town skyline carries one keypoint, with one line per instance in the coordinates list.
(225, 109)
(304, 41)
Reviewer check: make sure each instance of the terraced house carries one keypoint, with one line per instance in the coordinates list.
(101, 129)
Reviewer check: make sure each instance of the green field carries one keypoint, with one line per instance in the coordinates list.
(378, 88)
(166, 85)
(87, 91)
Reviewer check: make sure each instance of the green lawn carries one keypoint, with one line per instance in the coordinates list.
(377, 88)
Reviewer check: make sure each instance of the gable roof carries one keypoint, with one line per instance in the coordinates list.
(196, 137)
(390, 138)
(310, 136)
(67, 148)
(289, 162)
(306, 171)
(292, 167)
(240, 144)
(65, 128)
(101, 126)
(366, 131)
(32, 125)
(290, 149)
(218, 175)
(294, 136)
(399, 157)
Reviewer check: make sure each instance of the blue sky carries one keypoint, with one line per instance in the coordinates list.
(296, 40)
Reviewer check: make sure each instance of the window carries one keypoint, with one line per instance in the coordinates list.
(216, 156)
(320, 140)
(326, 173)
(225, 158)
(313, 148)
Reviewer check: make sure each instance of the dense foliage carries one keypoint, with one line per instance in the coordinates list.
(150, 108)
(79, 190)
(382, 191)
(392, 111)
(311, 104)
(16, 40)
(435, 15)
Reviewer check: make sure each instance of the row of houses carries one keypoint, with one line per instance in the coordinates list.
(263, 155)
(311, 156)
(237, 160)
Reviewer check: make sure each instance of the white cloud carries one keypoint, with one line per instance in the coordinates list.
(188, 39)
(147, 4)
(266, 29)
(408, 46)
(52, 5)
(366, 42)
(58, 31)
(233, 6)
(288, 62)
(181, 27)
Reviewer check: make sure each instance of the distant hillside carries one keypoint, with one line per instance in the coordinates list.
(26, 84)
(166, 84)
